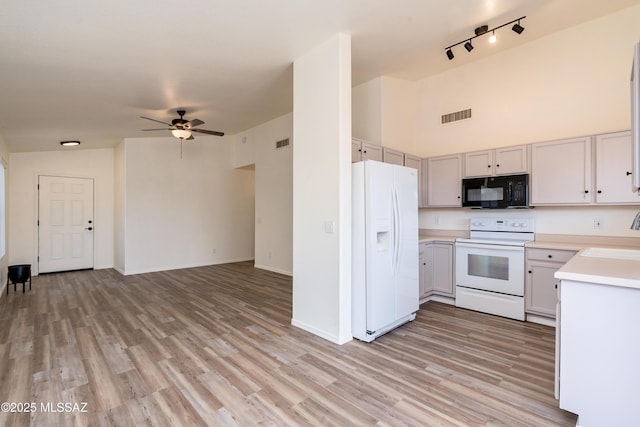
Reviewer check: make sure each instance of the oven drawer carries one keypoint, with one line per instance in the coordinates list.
(555, 255)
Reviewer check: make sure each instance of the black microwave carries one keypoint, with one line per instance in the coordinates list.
(496, 192)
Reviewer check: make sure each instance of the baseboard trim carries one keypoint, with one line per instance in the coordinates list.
(275, 270)
(322, 334)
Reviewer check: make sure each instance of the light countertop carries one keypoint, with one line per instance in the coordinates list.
(604, 271)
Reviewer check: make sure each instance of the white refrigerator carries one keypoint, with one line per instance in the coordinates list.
(385, 287)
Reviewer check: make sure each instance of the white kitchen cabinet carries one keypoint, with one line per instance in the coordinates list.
(426, 286)
(415, 163)
(499, 161)
(436, 269)
(363, 150)
(561, 172)
(540, 285)
(393, 157)
(613, 153)
(442, 181)
(599, 352)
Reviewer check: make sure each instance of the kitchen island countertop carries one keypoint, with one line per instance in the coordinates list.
(601, 270)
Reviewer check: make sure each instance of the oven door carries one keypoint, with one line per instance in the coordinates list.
(495, 268)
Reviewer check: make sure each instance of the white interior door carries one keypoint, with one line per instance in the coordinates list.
(65, 223)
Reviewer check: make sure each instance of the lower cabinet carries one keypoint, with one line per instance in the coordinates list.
(540, 287)
(436, 269)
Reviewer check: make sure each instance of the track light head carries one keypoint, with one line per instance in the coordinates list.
(450, 54)
(518, 28)
(468, 46)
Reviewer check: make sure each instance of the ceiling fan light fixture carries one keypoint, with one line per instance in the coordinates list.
(181, 133)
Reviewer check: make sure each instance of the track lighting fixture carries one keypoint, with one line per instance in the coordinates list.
(482, 30)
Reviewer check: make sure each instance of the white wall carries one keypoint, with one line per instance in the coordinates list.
(185, 212)
(399, 114)
(23, 178)
(4, 260)
(322, 190)
(119, 192)
(384, 113)
(366, 113)
(273, 190)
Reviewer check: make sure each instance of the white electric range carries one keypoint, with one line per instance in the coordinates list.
(490, 266)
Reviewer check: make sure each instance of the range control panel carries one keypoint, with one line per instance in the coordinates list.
(520, 225)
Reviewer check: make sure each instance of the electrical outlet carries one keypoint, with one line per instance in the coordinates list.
(597, 224)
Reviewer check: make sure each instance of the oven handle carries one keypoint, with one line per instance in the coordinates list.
(486, 246)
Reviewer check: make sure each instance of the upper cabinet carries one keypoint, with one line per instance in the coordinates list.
(363, 150)
(394, 157)
(581, 171)
(442, 181)
(613, 154)
(499, 161)
(561, 172)
(415, 162)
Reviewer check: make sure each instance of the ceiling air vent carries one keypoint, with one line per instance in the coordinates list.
(454, 117)
(282, 143)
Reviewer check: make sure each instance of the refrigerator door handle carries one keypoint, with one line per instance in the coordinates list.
(396, 231)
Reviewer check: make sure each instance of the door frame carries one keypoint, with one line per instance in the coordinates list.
(35, 268)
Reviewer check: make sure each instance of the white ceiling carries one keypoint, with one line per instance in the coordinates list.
(87, 70)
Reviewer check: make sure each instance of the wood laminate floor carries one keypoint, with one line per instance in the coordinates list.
(214, 346)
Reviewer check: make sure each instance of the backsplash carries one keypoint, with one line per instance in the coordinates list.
(578, 220)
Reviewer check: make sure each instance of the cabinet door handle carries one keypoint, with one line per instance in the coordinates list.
(497, 166)
(550, 256)
(488, 166)
(586, 191)
(628, 173)
(556, 286)
(599, 191)
(529, 271)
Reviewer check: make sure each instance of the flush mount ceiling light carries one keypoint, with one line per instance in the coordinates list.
(482, 30)
(69, 143)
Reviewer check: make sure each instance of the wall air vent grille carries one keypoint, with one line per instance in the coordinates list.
(454, 117)
(282, 143)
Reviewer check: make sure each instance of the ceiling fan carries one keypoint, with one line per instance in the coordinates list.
(181, 128)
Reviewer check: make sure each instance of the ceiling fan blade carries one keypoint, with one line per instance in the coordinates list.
(154, 120)
(190, 137)
(158, 129)
(208, 132)
(195, 122)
